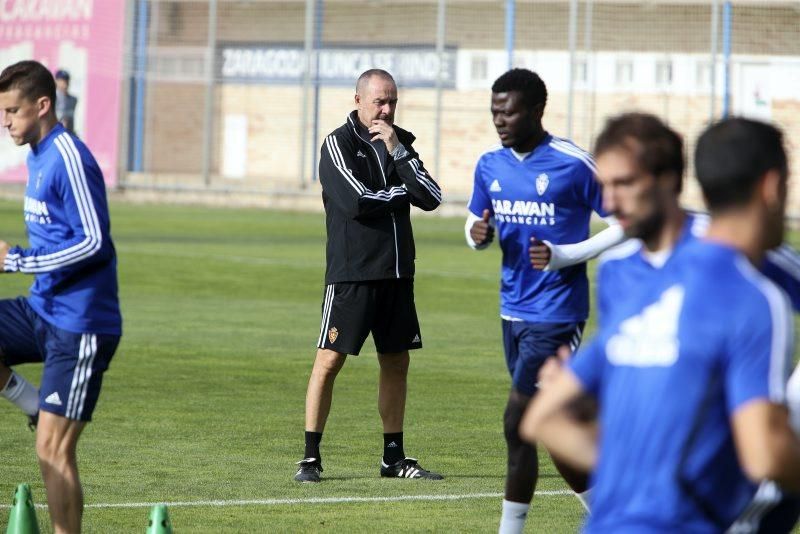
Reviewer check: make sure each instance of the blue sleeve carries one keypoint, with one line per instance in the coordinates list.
(589, 189)
(760, 350)
(588, 364)
(80, 188)
(782, 266)
(603, 285)
(479, 200)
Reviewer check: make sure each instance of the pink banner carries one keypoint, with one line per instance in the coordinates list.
(83, 37)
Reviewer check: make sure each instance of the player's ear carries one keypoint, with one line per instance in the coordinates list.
(669, 182)
(772, 188)
(44, 105)
(538, 111)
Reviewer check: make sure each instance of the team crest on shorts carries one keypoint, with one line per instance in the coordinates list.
(333, 333)
(542, 181)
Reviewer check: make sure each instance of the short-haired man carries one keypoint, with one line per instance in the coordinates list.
(641, 161)
(538, 190)
(71, 321)
(65, 101)
(675, 465)
(370, 176)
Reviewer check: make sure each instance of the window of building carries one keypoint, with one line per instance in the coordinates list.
(479, 67)
(624, 72)
(664, 73)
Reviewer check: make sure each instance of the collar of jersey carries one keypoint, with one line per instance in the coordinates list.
(545, 141)
(45, 143)
(685, 236)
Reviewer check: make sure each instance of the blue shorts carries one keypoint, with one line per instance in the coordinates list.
(73, 363)
(528, 345)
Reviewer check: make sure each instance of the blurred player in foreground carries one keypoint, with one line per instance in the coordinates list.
(537, 189)
(71, 321)
(682, 391)
(643, 165)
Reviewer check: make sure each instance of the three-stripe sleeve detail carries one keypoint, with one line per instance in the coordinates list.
(332, 145)
(425, 180)
(786, 259)
(93, 241)
(572, 150)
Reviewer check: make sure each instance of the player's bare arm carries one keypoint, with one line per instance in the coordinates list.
(768, 448)
(482, 232)
(4, 248)
(545, 422)
(382, 130)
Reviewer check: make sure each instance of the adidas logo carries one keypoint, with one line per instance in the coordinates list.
(495, 187)
(361, 154)
(53, 398)
(392, 444)
(416, 339)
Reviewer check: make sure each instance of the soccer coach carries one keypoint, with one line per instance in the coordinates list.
(370, 176)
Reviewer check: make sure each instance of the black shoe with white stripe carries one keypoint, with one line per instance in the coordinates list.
(309, 470)
(407, 468)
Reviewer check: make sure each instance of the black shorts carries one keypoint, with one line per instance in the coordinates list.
(351, 310)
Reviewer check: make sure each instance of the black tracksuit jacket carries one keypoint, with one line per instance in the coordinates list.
(367, 202)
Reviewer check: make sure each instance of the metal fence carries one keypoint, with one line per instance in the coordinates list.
(235, 96)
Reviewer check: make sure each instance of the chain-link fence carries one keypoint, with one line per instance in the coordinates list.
(237, 95)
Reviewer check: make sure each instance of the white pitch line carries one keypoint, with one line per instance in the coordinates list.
(311, 500)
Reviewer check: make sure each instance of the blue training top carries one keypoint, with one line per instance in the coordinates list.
(71, 252)
(626, 263)
(549, 195)
(671, 365)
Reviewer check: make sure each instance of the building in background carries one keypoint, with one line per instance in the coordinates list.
(235, 96)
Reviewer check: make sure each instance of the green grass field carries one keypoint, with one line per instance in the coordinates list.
(204, 399)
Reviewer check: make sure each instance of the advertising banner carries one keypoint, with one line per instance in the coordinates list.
(84, 38)
(411, 66)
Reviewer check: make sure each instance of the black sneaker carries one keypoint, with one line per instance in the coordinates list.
(309, 470)
(33, 421)
(407, 468)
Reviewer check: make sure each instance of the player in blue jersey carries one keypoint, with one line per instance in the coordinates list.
(678, 469)
(536, 188)
(71, 321)
(640, 162)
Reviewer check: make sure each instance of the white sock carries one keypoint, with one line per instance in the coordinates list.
(585, 498)
(513, 518)
(22, 393)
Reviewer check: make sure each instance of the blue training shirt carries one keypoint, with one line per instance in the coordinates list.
(627, 263)
(71, 252)
(549, 195)
(669, 374)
